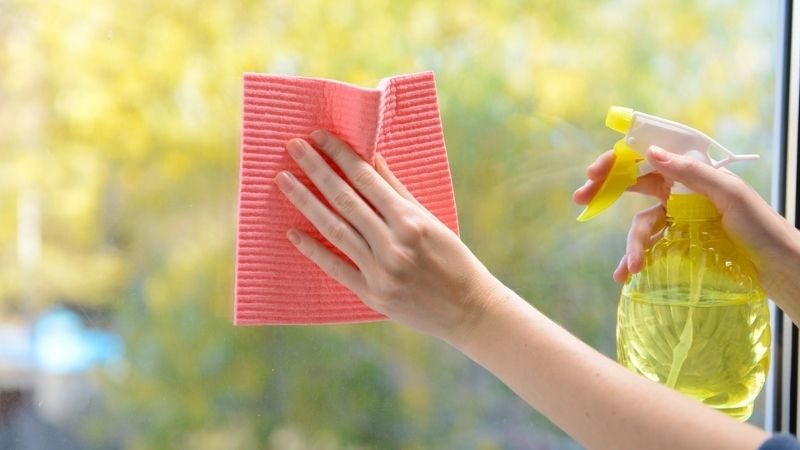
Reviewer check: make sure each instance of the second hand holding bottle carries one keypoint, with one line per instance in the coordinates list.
(695, 318)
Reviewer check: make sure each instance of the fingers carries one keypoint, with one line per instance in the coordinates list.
(722, 187)
(383, 170)
(362, 176)
(643, 233)
(331, 264)
(598, 170)
(597, 173)
(640, 237)
(621, 272)
(584, 194)
(652, 184)
(338, 193)
(335, 230)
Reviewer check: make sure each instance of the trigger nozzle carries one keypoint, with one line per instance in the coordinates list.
(622, 175)
(619, 118)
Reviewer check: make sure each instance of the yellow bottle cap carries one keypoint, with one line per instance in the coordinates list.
(619, 118)
(690, 207)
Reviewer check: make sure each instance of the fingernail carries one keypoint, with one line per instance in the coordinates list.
(319, 137)
(658, 154)
(285, 181)
(293, 236)
(296, 148)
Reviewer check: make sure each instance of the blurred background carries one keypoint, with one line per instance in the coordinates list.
(119, 147)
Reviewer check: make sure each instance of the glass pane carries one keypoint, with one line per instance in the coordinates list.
(119, 135)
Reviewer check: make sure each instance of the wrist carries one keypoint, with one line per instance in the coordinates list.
(791, 263)
(489, 302)
(780, 275)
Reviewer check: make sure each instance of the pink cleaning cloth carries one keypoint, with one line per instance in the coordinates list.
(399, 120)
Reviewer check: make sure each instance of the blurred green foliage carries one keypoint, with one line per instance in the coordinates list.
(119, 124)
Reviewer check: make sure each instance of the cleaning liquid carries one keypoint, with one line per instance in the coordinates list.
(695, 318)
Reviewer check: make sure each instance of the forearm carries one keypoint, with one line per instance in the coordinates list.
(781, 276)
(598, 402)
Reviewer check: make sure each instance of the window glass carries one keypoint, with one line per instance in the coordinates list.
(119, 137)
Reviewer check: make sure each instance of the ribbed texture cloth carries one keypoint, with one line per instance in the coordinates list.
(400, 120)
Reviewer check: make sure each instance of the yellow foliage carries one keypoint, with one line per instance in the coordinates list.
(123, 118)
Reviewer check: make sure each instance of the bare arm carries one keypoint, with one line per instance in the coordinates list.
(785, 283)
(592, 398)
(411, 267)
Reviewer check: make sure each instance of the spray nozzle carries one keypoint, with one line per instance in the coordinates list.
(641, 132)
(619, 118)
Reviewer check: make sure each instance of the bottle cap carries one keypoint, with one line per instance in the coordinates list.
(619, 118)
(691, 207)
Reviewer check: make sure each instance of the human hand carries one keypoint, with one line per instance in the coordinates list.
(404, 262)
(647, 224)
(770, 242)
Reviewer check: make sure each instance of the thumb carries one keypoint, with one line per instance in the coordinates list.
(720, 186)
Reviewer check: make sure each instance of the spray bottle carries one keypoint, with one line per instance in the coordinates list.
(695, 318)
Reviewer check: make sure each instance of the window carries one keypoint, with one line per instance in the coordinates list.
(118, 167)
(782, 386)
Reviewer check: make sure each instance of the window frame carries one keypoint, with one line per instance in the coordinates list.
(783, 389)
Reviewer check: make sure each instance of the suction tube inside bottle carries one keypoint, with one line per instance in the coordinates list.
(697, 266)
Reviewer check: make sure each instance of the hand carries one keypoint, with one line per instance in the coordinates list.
(647, 224)
(408, 265)
(404, 262)
(770, 242)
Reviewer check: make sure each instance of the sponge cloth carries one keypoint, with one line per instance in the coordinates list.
(399, 120)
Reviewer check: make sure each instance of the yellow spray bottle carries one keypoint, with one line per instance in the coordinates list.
(695, 318)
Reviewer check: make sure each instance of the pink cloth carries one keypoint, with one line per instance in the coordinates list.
(275, 284)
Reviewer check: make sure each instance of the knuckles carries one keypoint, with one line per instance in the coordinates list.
(646, 218)
(402, 259)
(412, 227)
(399, 262)
(344, 202)
(332, 149)
(364, 180)
(336, 269)
(336, 232)
(301, 197)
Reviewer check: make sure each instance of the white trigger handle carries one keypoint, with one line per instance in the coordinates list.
(730, 157)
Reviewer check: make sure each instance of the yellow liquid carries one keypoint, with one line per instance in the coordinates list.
(715, 348)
